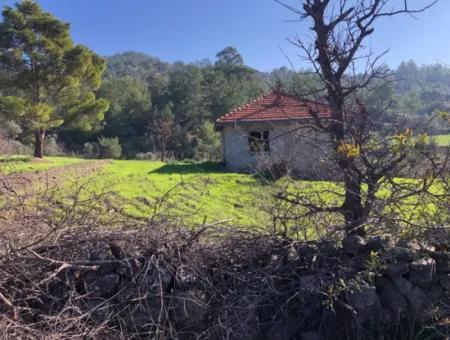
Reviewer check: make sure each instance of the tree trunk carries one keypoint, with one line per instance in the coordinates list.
(163, 152)
(353, 208)
(39, 143)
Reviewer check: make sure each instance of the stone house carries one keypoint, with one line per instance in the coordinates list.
(276, 129)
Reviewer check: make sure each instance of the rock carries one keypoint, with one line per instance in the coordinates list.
(378, 243)
(422, 273)
(102, 285)
(391, 299)
(359, 262)
(397, 254)
(435, 293)
(352, 245)
(442, 259)
(415, 297)
(418, 303)
(396, 270)
(416, 245)
(444, 281)
(365, 301)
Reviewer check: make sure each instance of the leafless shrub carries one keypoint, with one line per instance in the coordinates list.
(81, 268)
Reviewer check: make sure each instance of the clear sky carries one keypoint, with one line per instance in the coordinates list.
(191, 30)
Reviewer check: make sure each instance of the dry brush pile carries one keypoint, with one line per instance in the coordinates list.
(79, 269)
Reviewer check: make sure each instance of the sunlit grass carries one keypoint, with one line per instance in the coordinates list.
(206, 192)
(200, 193)
(442, 140)
(22, 164)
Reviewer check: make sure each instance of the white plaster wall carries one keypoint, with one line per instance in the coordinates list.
(307, 152)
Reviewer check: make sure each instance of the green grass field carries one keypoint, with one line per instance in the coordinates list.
(22, 164)
(442, 140)
(195, 192)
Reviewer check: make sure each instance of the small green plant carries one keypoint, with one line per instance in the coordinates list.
(373, 266)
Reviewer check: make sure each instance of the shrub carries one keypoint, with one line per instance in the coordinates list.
(91, 150)
(146, 156)
(109, 147)
(11, 129)
(52, 148)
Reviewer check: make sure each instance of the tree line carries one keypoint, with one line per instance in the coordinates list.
(135, 105)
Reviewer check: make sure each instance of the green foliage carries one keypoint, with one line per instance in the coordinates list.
(208, 143)
(51, 80)
(170, 108)
(229, 56)
(52, 148)
(128, 115)
(91, 150)
(48, 82)
(109, 148)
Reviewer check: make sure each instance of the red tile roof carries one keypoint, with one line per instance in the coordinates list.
(275, 106)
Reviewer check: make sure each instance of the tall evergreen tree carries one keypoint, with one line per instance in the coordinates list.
(53, 79)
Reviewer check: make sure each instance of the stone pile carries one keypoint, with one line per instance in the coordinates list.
(360, 289)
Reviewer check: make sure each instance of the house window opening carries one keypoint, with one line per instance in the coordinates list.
(259, 141)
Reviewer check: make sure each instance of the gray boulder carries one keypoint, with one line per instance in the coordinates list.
(366, 303)
(391, 299)
(422, 273)
(378, 243)
(397, 254)
(442, 261)
(444, 281)
(396, 270)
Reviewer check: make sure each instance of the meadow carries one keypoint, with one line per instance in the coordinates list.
(197, 193)
(442, 140)
(23, 164)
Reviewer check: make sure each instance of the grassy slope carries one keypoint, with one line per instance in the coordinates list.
(197, 191)
(442, 140)
(205, 189)
(208, 191)
(20, 164)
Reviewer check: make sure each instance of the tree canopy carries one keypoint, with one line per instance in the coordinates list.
(47, 80)
(49, 83)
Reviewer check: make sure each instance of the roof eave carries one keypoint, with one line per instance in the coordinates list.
(220, 125)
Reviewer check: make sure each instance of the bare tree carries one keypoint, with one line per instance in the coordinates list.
(348, 71)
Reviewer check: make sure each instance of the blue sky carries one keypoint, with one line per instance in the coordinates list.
(192, 30)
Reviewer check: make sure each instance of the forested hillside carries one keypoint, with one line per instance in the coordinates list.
(167, 110)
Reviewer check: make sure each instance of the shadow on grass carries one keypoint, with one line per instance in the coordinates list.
(207, 168)
(190, 168)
